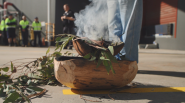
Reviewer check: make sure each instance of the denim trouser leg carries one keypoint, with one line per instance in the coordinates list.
(130, 12)
(114, 20)
(132, 31)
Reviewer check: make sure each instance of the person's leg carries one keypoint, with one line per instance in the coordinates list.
(1, 39)
(35, 38)
(9, 36)
(132, 30)
(23, 38)
(114, 20)
(5, 37)
(26, 38)
(65, 30)
(39, 37)
(14, 36)
(9, 41)
(14, 41)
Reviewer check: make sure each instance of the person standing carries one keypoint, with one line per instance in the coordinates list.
(37, 31)
(4, 39)
(24, 25)
(11, 27)
(68, 22)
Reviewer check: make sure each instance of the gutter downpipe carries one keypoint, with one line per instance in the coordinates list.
(48, 16)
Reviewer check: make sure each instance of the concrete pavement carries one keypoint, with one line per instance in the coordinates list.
(157, 68)
(162, 51)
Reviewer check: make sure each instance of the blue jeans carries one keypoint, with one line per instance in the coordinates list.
(125, 20)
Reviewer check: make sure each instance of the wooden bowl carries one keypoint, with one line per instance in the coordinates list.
(83, 47)
(79, 73)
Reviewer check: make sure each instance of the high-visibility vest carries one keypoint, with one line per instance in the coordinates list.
(10, 21)
(36, 26)
(3, 25)
(24, 24)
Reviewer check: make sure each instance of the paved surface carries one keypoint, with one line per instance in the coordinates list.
(161, 51)
(157, 68)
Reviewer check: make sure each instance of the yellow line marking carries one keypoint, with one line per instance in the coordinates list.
(130, 90)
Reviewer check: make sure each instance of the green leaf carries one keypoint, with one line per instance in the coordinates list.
(110, 56)
(35, 88)
(2, 93)
(111, 68)
(65, 42)
(69, 54)
(4, 77)
(50, 82)
(47, 51)
(29, 82)
(1, 85)
(24, 78)
(92, 58)
(16, 87)
(11, 67)
(31, 75)
(99, 63)
(66, 52)
(57, 46)
(52, 66)
(19, 100)
(25, 97)
(30, 91)
(61, 47)
(5, 69)
(105, 63)
(108, 69)
(111, 49)
(103, 58)
(58, 38)
(64, 39)
(11, 97)
(87, 56)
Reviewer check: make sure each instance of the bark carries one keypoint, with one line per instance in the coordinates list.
(79, 73)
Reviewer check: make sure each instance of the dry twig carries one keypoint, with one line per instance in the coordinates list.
(88, 100)
(37, 94)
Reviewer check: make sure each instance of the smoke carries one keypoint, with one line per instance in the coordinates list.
(92, 22)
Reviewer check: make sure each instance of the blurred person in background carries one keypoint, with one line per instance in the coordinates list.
(37, 31)
(24, 25)
(68, 22)
(4, 40)
(11, 27)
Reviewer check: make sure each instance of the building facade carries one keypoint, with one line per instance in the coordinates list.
(163, 20)
(163, 23)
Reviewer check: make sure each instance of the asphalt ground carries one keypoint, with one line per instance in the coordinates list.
(160, 79)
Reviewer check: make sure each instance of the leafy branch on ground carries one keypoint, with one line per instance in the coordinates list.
(19, 81)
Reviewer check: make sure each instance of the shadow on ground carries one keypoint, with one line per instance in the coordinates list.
(164, 73)
(155, 97)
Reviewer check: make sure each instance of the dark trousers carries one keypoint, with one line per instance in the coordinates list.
(25, 37)
(68, 30)
(4, 39)
(1, 40)
(37, 34)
